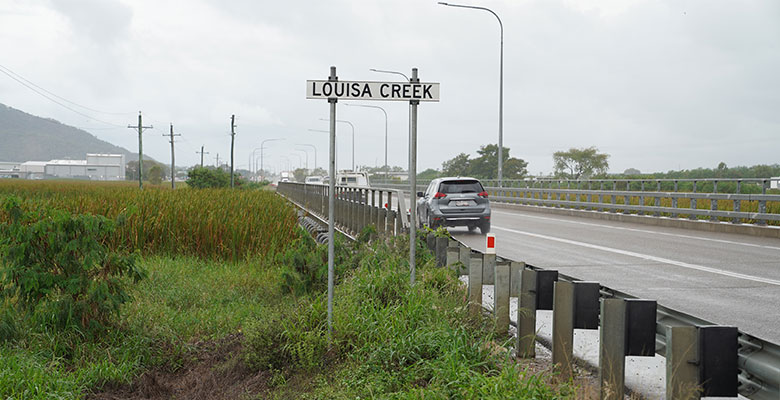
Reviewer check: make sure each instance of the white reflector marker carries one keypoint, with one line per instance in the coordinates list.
(490, 243)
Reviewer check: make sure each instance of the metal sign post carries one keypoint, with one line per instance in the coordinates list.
(413, 181)
(331, 204)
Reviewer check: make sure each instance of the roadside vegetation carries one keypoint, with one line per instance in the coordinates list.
(94, 305)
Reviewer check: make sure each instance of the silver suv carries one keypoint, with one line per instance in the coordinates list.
(454, 201)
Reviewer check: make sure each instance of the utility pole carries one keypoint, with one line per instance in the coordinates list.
(201, 155)
(173, 158)
(140, 128)
(217, 160)
(232, 142)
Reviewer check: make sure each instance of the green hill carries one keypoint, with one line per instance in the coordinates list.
(26, 137)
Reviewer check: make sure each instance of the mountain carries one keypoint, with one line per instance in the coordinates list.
(26, 137)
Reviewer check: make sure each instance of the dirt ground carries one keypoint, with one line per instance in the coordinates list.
(216, 371)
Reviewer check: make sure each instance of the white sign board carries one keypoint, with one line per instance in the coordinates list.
(394, 91)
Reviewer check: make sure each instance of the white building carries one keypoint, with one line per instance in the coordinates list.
(33, 169)
(98, 167)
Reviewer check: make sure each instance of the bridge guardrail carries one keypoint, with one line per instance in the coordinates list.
(758, 360)
(356, 206)
(737, 208)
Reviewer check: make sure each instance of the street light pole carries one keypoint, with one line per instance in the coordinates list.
(383, 71)
(500, 89)
(385, 112)
(353, 138)
(315, 152)
(262, 147)
(307, 158)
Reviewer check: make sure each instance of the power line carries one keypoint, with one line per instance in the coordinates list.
(55, 101)
(60, 97)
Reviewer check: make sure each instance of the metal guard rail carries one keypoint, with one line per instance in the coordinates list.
(594, 200)
(758, 360)
(356, 206)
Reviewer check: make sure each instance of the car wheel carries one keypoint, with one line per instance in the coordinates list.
(472, 228)
(430, 223)
(485, 228)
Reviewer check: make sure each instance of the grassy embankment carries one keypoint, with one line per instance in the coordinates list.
(218, 263)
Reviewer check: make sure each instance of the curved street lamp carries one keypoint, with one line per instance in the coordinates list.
(353, 137)
(262, 147)
(315, 152)
(500, 88)
(385, 112)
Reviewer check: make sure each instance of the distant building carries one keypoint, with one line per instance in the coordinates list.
(97, 167)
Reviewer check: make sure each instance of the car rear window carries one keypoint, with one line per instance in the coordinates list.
(461, 186)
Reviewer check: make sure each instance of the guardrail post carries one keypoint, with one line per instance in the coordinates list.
(515, 271)
(382, 227)
(627, 325)
(488, 269)
(714, 201)
(391, 222)
(475, 284)
(682, 375)
(761, 210)
(465, 258)
(642, 198)
(525, 345)
(441, 251)
(693, 203)
(563, 329)
(612, 349)
(380, 221)
(501, 297)
(453, 252)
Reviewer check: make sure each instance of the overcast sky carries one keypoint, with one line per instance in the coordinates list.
(657, 85)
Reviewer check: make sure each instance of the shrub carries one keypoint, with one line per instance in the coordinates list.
(202, 177)
(294, 340)
(59, 264)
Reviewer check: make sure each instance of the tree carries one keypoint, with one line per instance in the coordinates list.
(155, 175)
(580, 163)
(485, 166)
(428, 175)
(632, 171)
(203, 177)
(458, 166)
(131, 169)
(300, 174)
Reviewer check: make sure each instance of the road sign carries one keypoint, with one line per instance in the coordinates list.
(352, 90)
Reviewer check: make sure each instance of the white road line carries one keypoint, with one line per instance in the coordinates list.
(641, 231)
(646, 257)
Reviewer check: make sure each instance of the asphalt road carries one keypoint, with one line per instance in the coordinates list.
(727, 279)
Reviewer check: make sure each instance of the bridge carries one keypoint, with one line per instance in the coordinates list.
(717, 264)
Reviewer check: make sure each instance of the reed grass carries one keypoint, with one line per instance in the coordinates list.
(219, 224)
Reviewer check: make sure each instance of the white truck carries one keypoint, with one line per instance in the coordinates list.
(352, 178)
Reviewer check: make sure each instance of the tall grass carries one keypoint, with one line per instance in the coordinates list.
(207, 223)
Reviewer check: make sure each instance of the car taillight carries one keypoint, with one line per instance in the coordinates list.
(483, 194)
(439, 195)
